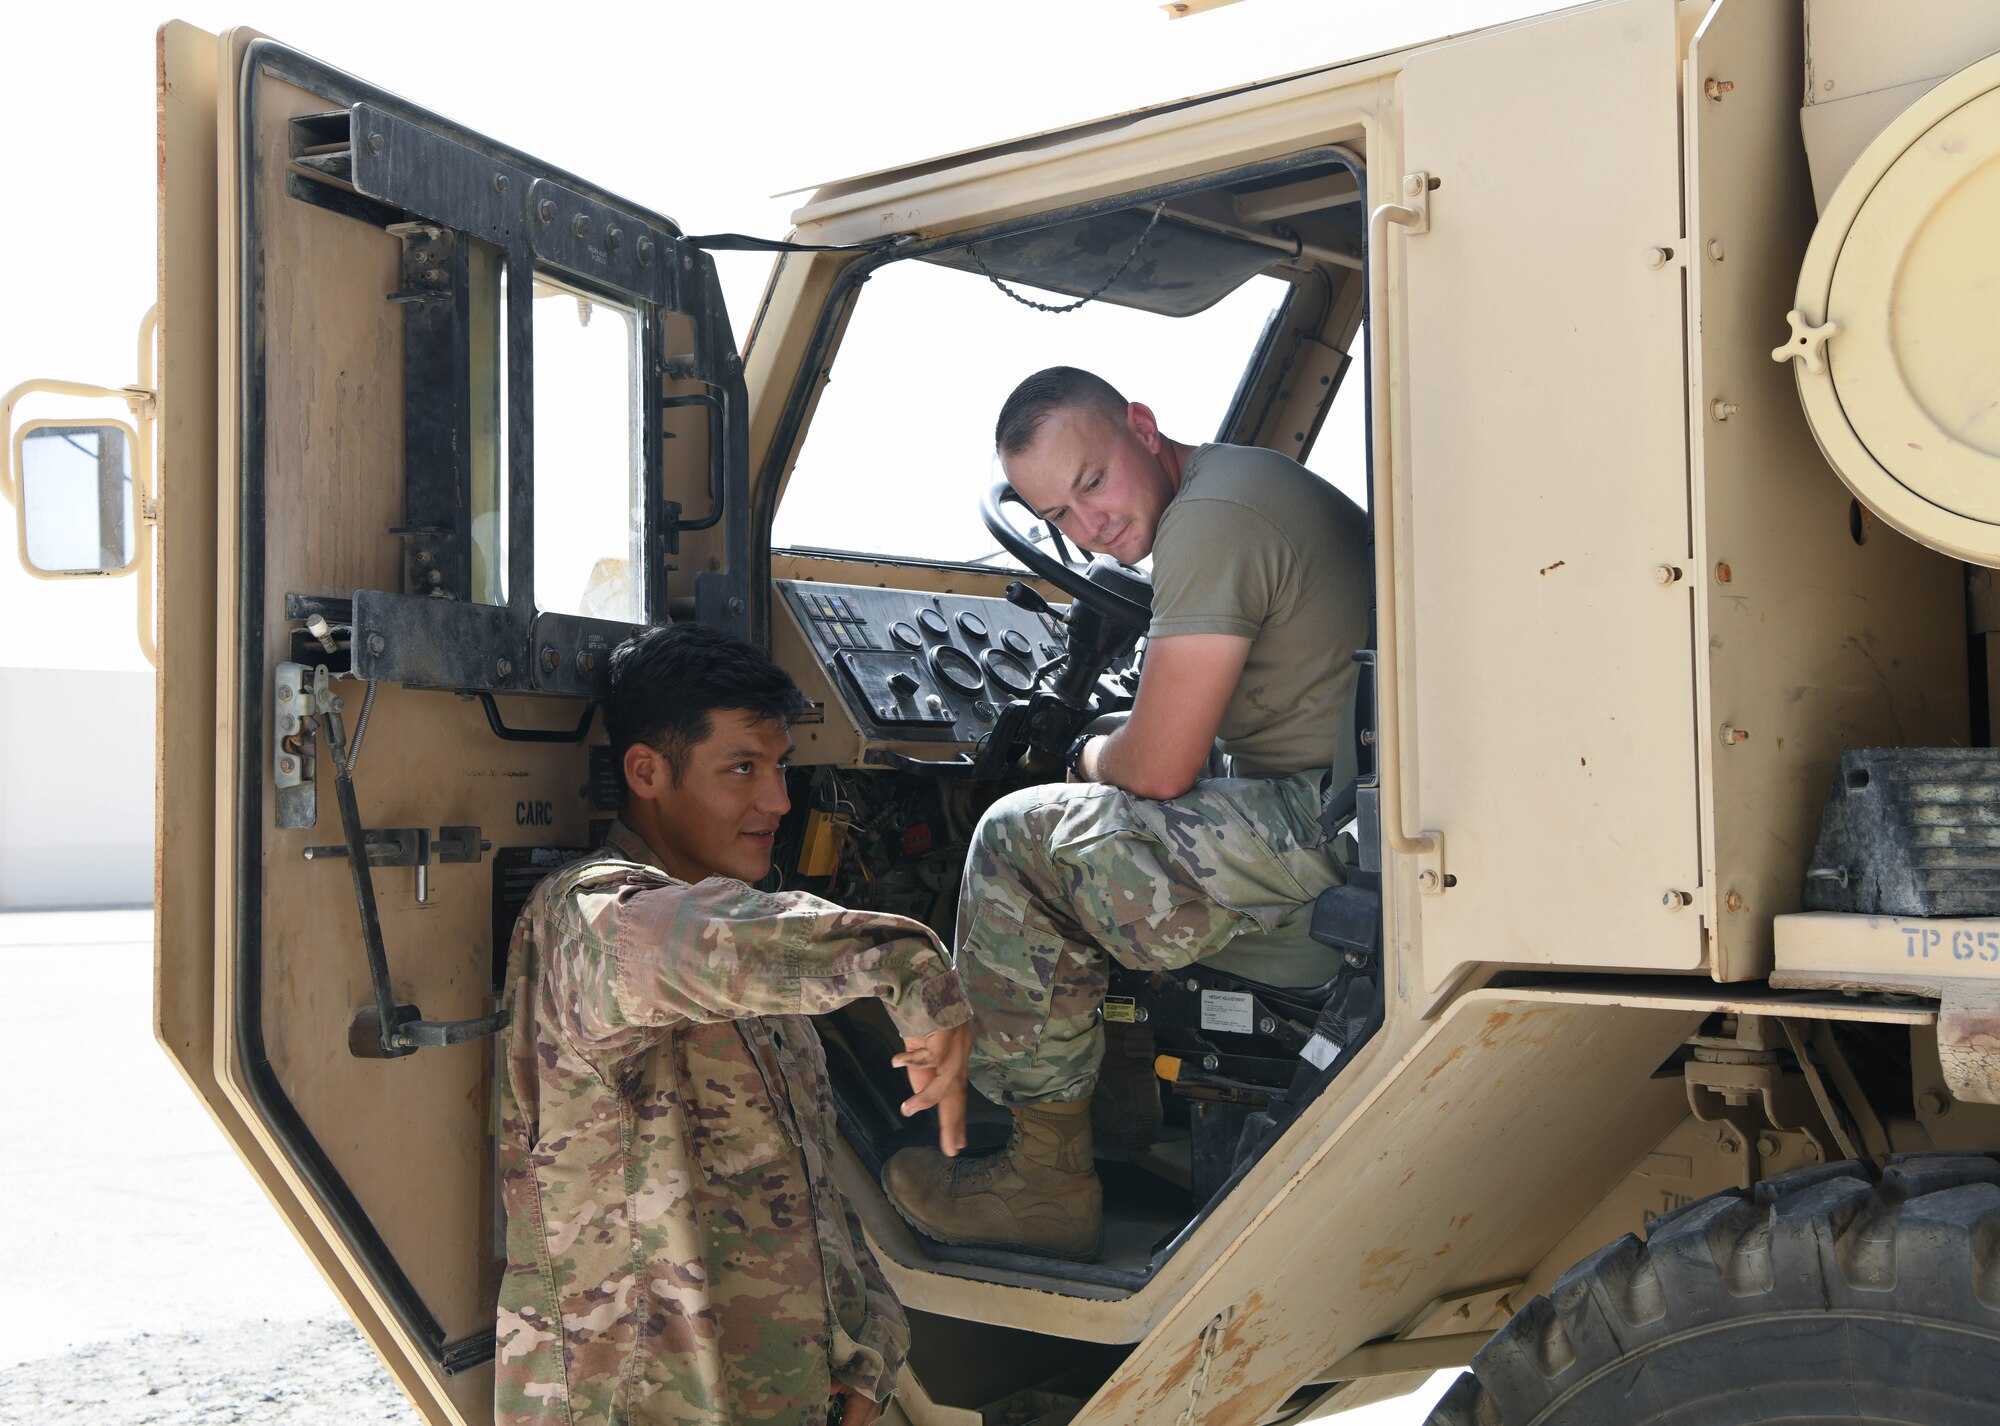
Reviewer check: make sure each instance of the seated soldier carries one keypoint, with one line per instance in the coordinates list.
(1261, 588)
(676, 1249)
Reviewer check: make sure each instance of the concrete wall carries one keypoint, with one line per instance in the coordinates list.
(76, 788)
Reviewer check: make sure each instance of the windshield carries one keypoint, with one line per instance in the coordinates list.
(901, 447)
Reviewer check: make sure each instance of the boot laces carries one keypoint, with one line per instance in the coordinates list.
(977, 1174)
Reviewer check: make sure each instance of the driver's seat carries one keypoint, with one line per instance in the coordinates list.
(1247, 1037)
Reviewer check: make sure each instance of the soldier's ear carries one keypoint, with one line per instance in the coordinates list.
(647, 776)
(1144, 426)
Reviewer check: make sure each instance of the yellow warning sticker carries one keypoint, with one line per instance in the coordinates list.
(1121, 1009)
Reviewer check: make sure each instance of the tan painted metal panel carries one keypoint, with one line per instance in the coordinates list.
(1382, 1217)
(184, 790)
(1861, 72)
(1811, 642)
(1181, 143)
(1546, 667)
(1851, 51)
(1836, 133)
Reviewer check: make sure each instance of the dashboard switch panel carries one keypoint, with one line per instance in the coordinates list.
(894, 690)
(914, 665)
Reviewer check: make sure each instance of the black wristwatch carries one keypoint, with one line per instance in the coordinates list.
(1073, 759)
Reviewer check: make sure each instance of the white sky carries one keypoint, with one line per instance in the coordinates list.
(698, 110)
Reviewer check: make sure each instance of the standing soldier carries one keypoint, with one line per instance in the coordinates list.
(676, 1248)
(1261, 580)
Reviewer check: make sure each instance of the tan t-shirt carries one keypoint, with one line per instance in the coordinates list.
(1257, 545)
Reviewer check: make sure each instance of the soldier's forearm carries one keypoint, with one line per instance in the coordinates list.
(720, 951)
(1116, 759)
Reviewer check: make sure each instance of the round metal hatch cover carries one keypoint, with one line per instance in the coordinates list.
(1905, 266)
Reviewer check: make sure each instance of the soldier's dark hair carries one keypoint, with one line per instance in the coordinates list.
(1053, 389)
(667, 680)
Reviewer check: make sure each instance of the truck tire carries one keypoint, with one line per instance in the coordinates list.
(1818, 1296)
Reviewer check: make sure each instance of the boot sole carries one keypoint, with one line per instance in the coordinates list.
(1033, 1249)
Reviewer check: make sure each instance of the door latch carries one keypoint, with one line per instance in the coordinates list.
(413, 847)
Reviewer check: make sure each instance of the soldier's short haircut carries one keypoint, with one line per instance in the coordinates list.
(1053, 389)
(667, 680)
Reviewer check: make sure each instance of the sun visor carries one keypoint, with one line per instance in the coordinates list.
(1177, 270)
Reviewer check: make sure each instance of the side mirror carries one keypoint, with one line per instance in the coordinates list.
(77, 507)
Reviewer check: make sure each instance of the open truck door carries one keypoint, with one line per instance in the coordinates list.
(354, 287)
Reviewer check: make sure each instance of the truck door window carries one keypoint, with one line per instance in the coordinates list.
(486, 276)
(902, 443)
(589, 460)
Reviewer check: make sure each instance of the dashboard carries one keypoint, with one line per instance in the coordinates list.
(911, 665)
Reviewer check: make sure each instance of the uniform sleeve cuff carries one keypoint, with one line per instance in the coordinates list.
(935, 1003)
(877, 1383)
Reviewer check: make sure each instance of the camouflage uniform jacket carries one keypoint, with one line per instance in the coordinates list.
(676, 1249)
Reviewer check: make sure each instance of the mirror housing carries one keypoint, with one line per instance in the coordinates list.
(78, 501)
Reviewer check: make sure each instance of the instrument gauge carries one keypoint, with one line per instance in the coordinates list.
(957, 668)
(1009, 672)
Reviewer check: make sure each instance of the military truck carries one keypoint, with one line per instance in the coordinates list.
(1646, 1062)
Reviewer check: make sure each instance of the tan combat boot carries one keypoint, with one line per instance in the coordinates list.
(1039, 1195)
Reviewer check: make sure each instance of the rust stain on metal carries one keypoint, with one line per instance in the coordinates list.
(1384, 1270)
(1457, 1052)
(1520, 1034)
(1156, 1386)
(1238, 1346)
(1114, 1396)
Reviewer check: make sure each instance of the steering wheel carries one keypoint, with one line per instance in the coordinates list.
(1114, 604)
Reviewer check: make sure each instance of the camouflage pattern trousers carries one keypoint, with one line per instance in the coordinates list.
(1065, 877)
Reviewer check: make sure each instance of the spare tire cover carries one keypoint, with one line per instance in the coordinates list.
(1896, 324)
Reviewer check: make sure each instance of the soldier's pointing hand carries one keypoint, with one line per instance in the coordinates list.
(937, 1068)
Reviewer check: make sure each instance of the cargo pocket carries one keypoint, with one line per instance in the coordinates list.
(1141, 878)
(733, 1117)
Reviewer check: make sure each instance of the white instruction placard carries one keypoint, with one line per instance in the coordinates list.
(1230, 1010)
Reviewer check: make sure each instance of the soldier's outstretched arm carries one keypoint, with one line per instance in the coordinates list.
(652, 957)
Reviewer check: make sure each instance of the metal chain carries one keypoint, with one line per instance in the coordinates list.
(1211, 1338)
(1089, 297)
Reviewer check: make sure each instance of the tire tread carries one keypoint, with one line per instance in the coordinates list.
(1920, 1240)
